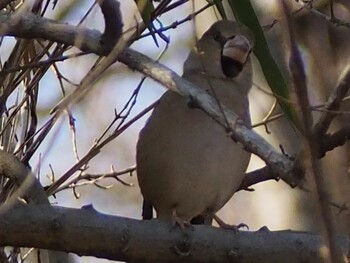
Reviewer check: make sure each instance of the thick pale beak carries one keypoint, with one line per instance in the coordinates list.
(237, 49)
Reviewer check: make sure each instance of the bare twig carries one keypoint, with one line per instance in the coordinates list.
(95, 150)
(38, 64)
(333, 103)
(175, 24)
(270, 119)
(257, 176)
(331, 19)
(121, 117)
(88, 179)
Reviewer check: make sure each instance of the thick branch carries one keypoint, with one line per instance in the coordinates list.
(113, 23)
(28, 25)
(87, 232)
(29, 188)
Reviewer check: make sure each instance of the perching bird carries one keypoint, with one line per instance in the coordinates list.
(187, 165)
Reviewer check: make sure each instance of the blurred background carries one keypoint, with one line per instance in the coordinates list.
(325, 51)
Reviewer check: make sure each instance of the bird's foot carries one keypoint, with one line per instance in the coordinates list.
(179, 222)
(224, 225)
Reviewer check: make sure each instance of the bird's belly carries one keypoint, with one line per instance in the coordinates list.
(208, 188)
(196, 172)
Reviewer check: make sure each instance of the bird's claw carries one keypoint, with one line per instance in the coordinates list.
(179, 222)
(224, 225)
(234, 227)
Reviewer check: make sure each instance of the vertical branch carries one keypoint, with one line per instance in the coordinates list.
(300, 85)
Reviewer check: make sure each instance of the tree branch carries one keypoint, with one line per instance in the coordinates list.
(333, 103)
(87, 232)
(257, 176)
(280, 164)
(25, 24)
(22, 25)
(28, 188)
(331, 141)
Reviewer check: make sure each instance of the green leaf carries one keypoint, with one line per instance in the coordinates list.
(146, 9)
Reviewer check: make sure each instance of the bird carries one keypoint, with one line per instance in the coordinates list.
(187, 164)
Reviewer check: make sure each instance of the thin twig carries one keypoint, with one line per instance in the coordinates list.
(333, 103)
(96, 149)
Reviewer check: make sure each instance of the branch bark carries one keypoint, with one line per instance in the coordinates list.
(87, 232)
(25, 24)
(28, 188)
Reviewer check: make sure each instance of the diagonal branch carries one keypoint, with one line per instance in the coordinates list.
(89, 40)
(333, 103)
(279, 163)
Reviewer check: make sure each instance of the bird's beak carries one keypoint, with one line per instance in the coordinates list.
(237, 49)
